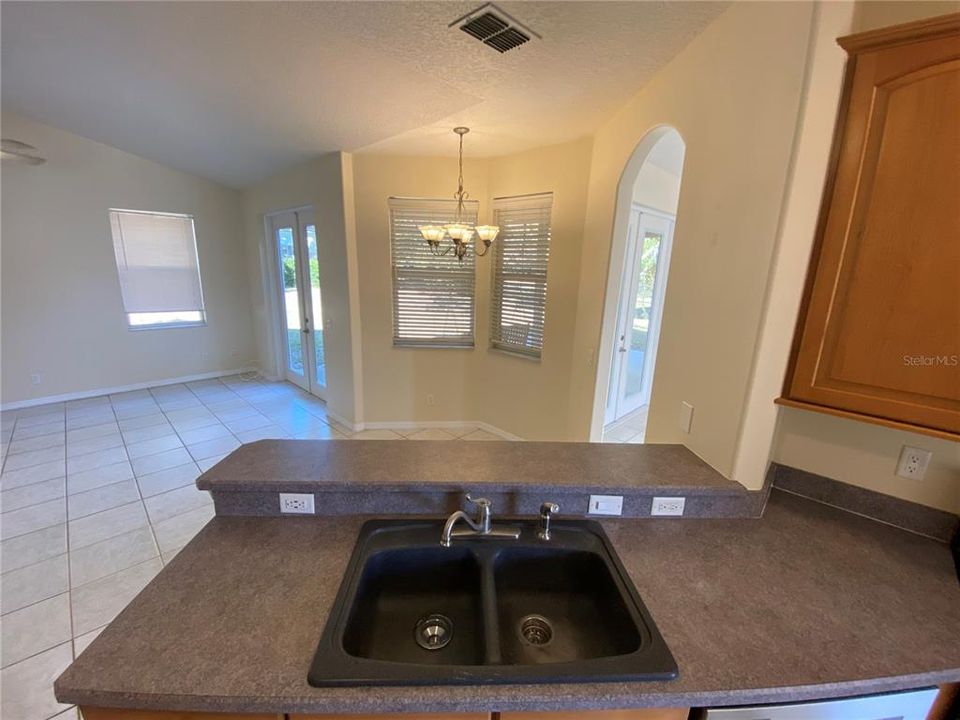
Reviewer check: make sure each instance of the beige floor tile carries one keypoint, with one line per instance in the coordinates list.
(169, 479)
(431, 434)
(176, 502)
(250, 422)
(94, 444)
(102, 498)
(202, 434)
(213, 447)
(154, 418)
(36, 473)
(112, 555)
(107, 524)
(151, 432)
(22, 432)
(154, 446)
(97, 603)
(268, 432)
(32, 494)
(78, 482)
(28, 685)
(94, 460)
(19, 552)
(377, 434)
(33, 583)
(35, 628)
(209, 462)
(480, 435)
(93, 431)
(179, 530)
(36, 443)
(170, 555)
(33, 457)
(35, 517)
(161, 461)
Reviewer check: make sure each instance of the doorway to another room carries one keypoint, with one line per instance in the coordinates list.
(641, 284)
(293, 236)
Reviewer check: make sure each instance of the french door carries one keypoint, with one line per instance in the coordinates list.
(640, 309)
(294, 239)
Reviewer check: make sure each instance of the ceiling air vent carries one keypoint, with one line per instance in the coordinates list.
(495, 28)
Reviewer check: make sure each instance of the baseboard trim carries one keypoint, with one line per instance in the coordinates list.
(441, 424)
(19, 404)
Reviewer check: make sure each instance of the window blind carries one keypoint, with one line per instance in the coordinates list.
(157, 263)
(433, 297)
(521, 253)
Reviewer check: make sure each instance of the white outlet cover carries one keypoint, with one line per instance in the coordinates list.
(605, 505)
(668, 506)
(913, 462)
(296, 503)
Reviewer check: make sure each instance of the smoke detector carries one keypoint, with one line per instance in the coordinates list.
(495, 28)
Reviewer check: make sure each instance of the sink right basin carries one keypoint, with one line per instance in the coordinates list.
(410, 611)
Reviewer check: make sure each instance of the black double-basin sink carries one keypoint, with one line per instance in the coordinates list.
(484, 611)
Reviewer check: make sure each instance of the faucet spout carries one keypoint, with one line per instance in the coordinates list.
(446, 535)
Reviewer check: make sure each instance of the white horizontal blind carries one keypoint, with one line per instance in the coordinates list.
(157, 262)
(432, 296)
(519, 294)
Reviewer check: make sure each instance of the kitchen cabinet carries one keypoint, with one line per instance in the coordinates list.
(878, 336)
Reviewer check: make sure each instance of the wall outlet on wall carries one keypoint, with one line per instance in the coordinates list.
(35, 378)
(296, 503)
(605, 505)
(431, 400)
(668, 506)
(686, 416)
(913, 462)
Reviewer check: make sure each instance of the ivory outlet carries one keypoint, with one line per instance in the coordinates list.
(297, 503)
(913, 462)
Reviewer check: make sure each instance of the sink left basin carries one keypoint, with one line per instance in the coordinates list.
(410, 611)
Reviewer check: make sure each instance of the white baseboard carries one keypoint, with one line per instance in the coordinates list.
(116, 389)
(442, 424)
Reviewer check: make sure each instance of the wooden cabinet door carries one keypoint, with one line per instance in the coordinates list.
(879, 334)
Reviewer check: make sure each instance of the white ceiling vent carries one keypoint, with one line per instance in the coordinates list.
(495, 28)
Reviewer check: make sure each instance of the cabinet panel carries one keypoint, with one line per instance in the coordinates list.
(880, 329)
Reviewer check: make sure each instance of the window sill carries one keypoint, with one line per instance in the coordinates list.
(165, 326)
(419, 346)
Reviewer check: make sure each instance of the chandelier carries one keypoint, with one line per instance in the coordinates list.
(460, 232)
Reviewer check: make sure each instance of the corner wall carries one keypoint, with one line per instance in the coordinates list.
(62, 313)
(733, 95)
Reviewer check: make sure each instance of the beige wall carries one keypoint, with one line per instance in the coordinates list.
(881, 13)
(62, 315)
(324, 184)
(738, 146)
(518, 395)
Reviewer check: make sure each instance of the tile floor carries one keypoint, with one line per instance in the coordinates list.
(96, 495)
(631, 428)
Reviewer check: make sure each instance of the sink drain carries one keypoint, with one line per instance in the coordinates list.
(536, 630)
(433, 632)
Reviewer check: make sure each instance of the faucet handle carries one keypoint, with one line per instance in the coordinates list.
(480, 502)
(548, 509)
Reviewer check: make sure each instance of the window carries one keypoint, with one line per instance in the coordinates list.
(432, 296)
(159, 273)
(521, 252)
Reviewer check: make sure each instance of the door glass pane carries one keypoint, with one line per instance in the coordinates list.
(642, 309)
(317, 309)
(291, 300)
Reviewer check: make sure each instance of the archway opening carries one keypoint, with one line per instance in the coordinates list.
(646, 215)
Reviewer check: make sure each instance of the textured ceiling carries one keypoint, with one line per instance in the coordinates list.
(238, 91)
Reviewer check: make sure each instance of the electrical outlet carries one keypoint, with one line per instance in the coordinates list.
(296, 503)
(431, 400)
(671, 506)
(605, 505)
(35, 379)
(913, 462)
(686, 416)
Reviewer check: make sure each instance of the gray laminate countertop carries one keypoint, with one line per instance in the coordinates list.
(806, 602)
(330, 465)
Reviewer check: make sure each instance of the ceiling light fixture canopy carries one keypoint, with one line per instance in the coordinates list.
(460, 232)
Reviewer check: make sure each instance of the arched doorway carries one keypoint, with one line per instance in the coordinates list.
(640, 257)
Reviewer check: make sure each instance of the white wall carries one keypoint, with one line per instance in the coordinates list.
(657, 188)
(62, 315)
(324, 183)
